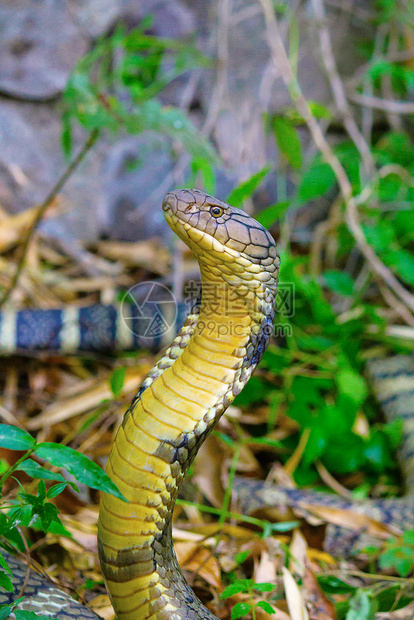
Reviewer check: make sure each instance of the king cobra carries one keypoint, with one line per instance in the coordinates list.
(176, 407)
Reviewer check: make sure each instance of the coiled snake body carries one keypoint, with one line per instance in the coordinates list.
(209, 362)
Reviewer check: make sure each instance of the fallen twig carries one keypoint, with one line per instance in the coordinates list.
(44, 206)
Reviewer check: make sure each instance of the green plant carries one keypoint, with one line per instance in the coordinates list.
(398, 554)
(35, 510)
(251, 590)
(116, 87)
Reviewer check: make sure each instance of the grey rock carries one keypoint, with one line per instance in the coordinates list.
(39, 46)
(94, 17)
(138, 173)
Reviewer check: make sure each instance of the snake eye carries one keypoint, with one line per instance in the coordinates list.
(216, 211)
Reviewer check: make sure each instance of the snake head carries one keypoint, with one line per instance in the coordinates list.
(210, 226)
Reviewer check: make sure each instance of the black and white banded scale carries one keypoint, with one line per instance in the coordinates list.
(92, 328)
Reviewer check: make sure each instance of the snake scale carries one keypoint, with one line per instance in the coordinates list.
(176, 407)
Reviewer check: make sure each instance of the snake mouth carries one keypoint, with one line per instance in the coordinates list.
(169, 202)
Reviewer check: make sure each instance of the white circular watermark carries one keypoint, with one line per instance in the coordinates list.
(149, 309)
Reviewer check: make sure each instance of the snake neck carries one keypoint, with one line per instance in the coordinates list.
(159, 438)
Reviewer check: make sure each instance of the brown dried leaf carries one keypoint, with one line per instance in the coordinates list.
(85, 400)
(149, 254)
(208, 468)
(14, 227)
(101, 605)
(318, 604)
(352, 520)
(199, 560)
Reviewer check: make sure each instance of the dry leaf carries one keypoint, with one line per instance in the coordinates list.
(318, 604)
(352, 520)
(102, 606)
(86, 400)
(294, 598)
(208, 468)
(199, 560)
(265, 572)
(298, 548)
(149, 254)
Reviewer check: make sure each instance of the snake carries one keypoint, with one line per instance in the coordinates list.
(105, 328)
(208, 363)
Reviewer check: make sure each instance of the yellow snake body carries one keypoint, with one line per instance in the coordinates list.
(208, 363)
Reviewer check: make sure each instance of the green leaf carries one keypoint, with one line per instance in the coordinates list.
(398, 556)
(4, 564)
(246, 189)
(377, 451)
(392, 598)
(117, 381)
(269, 215)
(361, 607)
(83, 469)
(5, 582)
(199, 165)
(35, 470)
(5, 610)
(380, 236)
(242, 585)
(31, 615)
(14, 438)
(318, 110)
(402, 262)
(316, 181)
(339, 282)
(351, 384)
(255, 391)
(379, 67)
(394, 432)
(288, 141)
(56, 489)
(266, 607)
(239, 610)
(316, 444)
(264, 587)
(408, 537)
(66, 134)
(334, 585)
(344, 454)
(395, 148)
(241, 557)
(284, 526)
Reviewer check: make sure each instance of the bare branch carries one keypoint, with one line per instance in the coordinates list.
(338, 88)
(281, 60)
(388, 105)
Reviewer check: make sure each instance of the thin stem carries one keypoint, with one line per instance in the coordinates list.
(44, 206)
(14, 467)
(227, 494)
